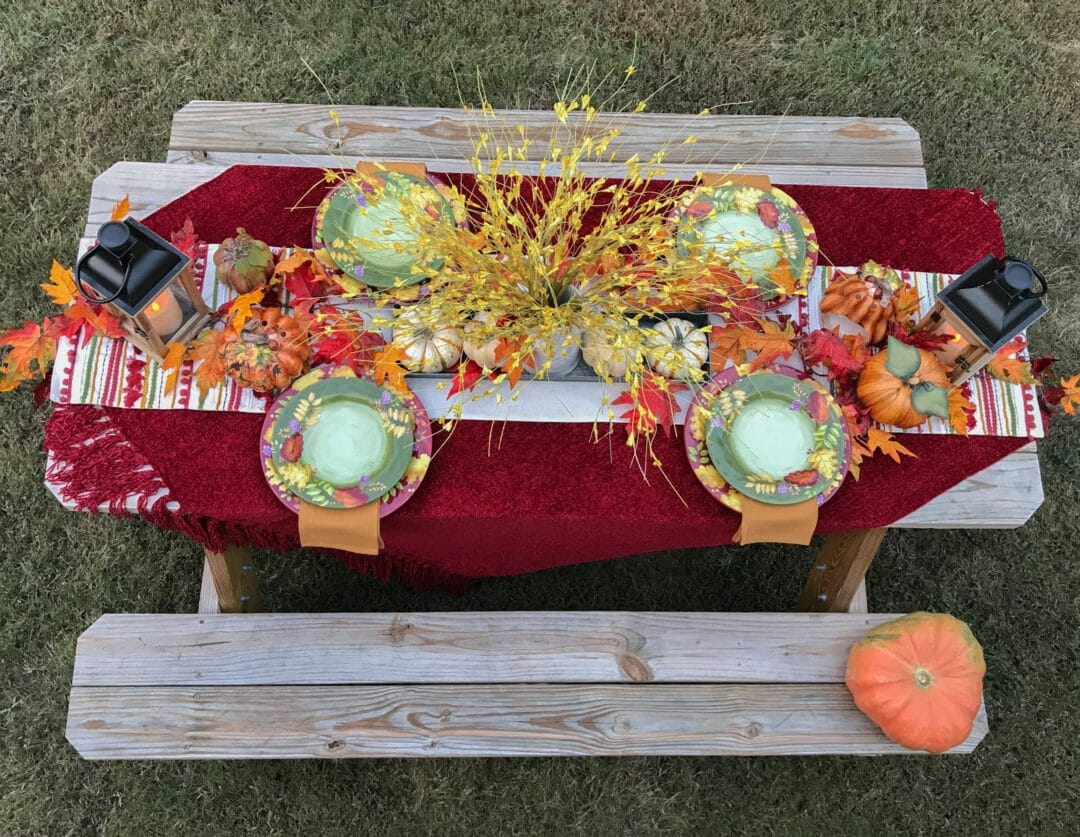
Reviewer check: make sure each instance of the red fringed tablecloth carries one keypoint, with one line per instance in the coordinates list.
(526, 496)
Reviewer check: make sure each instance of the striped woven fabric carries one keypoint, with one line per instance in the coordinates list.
(114, 373)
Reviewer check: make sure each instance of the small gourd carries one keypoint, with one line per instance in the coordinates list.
(482, 354)
(676, 346)
(243, 263)
(427, 348)
(611, 350)
(920, 679)
(903, 385)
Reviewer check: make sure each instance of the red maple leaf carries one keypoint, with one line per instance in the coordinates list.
(824, 348)
(465, 378)
(928, 340)
(652, 405)
(185, 239)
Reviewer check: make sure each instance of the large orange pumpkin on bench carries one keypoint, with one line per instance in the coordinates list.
(919, 678)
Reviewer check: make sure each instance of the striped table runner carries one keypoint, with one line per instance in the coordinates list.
(114, 373)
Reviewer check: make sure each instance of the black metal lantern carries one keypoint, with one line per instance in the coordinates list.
(982, 310)
(146, 282)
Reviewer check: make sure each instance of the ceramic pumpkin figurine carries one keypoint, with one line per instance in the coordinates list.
(919, 678)
(675, 346)
(903, 385)
(243, 263)
(863, 301)
(427, 348)
(269, 352)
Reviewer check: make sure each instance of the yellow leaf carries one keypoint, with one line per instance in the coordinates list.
(241, 307)
(205, 353)
(174, 359)
(61, 285)
(1006, 366)
(1070, 399)
(120, 209)
(878, 440)
(960, 407)
(31, 350)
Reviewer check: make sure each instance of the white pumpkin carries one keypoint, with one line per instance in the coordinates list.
(675, 346)
(610, 352)
(427, 348)
(482, 354)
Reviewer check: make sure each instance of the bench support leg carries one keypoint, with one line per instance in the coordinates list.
(836, 578)
(229, 583)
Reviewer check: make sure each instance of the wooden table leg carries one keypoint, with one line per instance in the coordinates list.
(839, 569)
(229, 583)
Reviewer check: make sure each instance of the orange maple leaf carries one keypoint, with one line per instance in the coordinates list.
(859, 452)
(725, 344)
(32, 349)
(906, 303)
(240, 308)
(385, 368)
(205, 353)
(505, 349)
(782, 277)
(120, 209)
(772, 343)
(174, 359)
(960, 407)
(1070, 398)
(1006, 366)
(98, 318)
(61, 285)
(877, 440)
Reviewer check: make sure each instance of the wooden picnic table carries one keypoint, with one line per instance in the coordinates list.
(133, 697)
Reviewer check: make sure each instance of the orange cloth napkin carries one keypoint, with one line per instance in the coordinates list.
(353, 530)
(771, 523)
(418, 170)
(757, 181)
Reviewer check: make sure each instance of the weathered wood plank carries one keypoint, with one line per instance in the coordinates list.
(839, 569)
(500, 720)
(899, 177)
(859, 603)
(149, 186)
(497, 647)
(235, 586)
(448, 133)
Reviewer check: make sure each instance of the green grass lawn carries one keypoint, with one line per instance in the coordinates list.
(994, 88)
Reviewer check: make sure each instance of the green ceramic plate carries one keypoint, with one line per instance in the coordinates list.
(756, 229)
(342, 442)
(368, 234)
(778, 439)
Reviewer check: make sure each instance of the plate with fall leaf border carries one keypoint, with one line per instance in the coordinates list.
(696, 431)
(397, 495)
(776, 210)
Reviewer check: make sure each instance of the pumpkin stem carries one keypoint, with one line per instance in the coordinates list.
(924, 678)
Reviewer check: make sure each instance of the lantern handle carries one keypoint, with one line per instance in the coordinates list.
(82, 287)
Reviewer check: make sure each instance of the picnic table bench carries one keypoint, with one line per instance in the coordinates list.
(218, 684)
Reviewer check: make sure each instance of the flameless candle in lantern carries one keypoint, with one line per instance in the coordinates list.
(984, 309)
(146, 282)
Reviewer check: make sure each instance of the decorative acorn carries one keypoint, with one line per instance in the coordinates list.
(243, 263)
(861, 302)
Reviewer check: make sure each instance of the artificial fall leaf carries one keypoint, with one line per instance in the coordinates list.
(241, 307)
(31, 348)
(782, 277)
(338, 339)
(825, 348)
(1006, 366)
(961, 411)
(205, 353)
(121, 209)
(652, 405)
(725, 344)
(61, 287)
(859, 452)
(505, 350)
(772, 343)
(465, 378)
(387, 371)
(303, 276)
(1070, 399)
(877, 440)
(1041, 365)
(185, 240)
(99, 320)
(64, 326)
(907, 302)
(929, 340)
(173, 360)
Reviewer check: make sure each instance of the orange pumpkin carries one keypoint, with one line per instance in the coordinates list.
(269, 352)
(865, 299)
(889, 396)
(919, 678)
